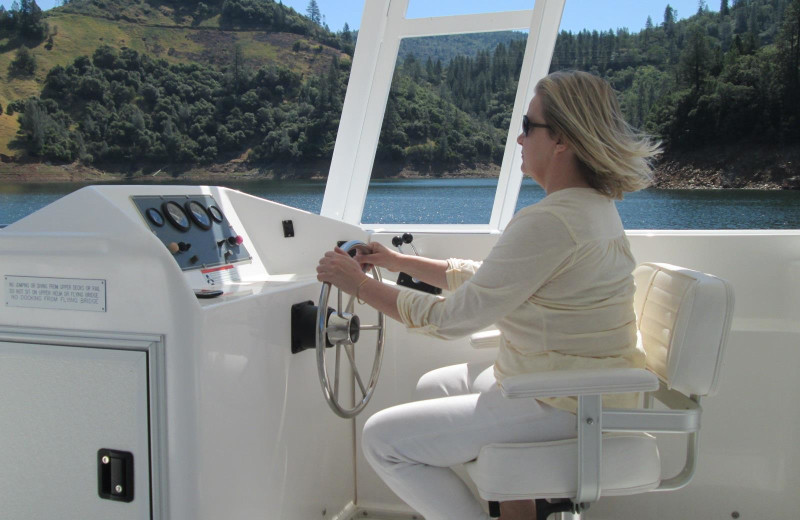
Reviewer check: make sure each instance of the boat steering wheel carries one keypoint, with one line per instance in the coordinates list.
(342, 330)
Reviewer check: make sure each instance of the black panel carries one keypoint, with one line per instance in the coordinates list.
(406, 281)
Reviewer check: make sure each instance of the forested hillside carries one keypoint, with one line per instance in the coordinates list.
(255, 81)
(715, 77)
(445, 48)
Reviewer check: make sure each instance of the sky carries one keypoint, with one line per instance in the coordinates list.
(578, 14)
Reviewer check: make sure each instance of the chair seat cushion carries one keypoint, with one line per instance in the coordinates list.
(630, 464)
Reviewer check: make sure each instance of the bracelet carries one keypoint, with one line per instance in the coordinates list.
(359, 288)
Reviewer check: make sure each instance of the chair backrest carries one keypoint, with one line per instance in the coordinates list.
(683, 317)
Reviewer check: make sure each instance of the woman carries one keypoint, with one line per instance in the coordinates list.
(557, 285)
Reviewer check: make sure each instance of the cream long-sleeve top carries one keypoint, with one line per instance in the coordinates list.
(557, 285)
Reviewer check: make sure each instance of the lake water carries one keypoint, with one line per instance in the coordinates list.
(469, 201)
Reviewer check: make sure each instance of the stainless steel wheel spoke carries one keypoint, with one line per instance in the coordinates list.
(350, 304)
(349, 351)
(336, 373)
(370, 327)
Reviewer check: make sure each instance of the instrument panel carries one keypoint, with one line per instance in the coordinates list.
(194, 230)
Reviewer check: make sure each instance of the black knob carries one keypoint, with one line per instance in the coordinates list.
(184, 246)
(407, 238)
(397, 241)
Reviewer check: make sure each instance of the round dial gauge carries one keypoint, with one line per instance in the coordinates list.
(198, 214)
(155, 217)
(216, 214)
(175, 215)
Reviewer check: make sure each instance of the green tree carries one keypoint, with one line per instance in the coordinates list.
(313, 12)
(669, 21)
(238, 69)
(702, 6)
(46, 134)
(31, 25)
(788, 45)
(724, 10)
(23, 64)
(696, 57)
(347, 36)
(201, 12)
(6, 19)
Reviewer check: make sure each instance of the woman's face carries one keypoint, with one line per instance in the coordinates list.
(537, 146)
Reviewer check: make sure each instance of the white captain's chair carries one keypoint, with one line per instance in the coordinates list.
(683, 317)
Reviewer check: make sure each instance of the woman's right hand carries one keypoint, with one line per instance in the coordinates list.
(381, 256)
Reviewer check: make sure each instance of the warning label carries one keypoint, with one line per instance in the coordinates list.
(221, 275)
(74, 294)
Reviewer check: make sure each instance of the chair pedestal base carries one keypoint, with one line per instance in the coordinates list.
(543, 509)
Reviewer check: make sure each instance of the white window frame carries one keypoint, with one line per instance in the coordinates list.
(383, 26)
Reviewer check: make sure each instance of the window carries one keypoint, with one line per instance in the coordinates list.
(444, 129)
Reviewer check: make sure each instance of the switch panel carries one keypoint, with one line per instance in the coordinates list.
(193, 229)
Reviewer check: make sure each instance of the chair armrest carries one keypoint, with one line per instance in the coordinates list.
(560, 383)
(485, 339)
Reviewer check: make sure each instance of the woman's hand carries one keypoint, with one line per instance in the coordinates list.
(381, 256)
(339, 269)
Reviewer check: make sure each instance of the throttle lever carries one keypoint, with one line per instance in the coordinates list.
(407, 238)
(397, 241)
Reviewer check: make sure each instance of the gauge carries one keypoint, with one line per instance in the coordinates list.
(198, 213)
(216, 214)
(176, 216)
(155, 216)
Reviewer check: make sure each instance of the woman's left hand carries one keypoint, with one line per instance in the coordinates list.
(339, 269)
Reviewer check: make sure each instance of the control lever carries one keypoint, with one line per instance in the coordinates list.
(406, 238)
(405, 279)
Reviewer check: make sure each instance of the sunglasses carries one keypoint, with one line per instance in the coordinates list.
(527, 125)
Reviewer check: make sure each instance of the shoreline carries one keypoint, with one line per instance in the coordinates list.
(709, 173)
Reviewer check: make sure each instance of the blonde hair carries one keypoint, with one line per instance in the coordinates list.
(583, 109)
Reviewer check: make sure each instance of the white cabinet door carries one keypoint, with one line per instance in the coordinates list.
(59, 405)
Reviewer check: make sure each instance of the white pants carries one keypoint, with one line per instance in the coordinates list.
(413, 446)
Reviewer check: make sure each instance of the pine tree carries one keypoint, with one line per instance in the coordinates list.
(313, 12)
(669, 20)
(696, 57)
(789, 52)
(238, 65)
(346, 36)
(724, 10)
(30, 23)
(6, 19)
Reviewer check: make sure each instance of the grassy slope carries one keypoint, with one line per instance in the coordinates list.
(8, 129)
(158, 32)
